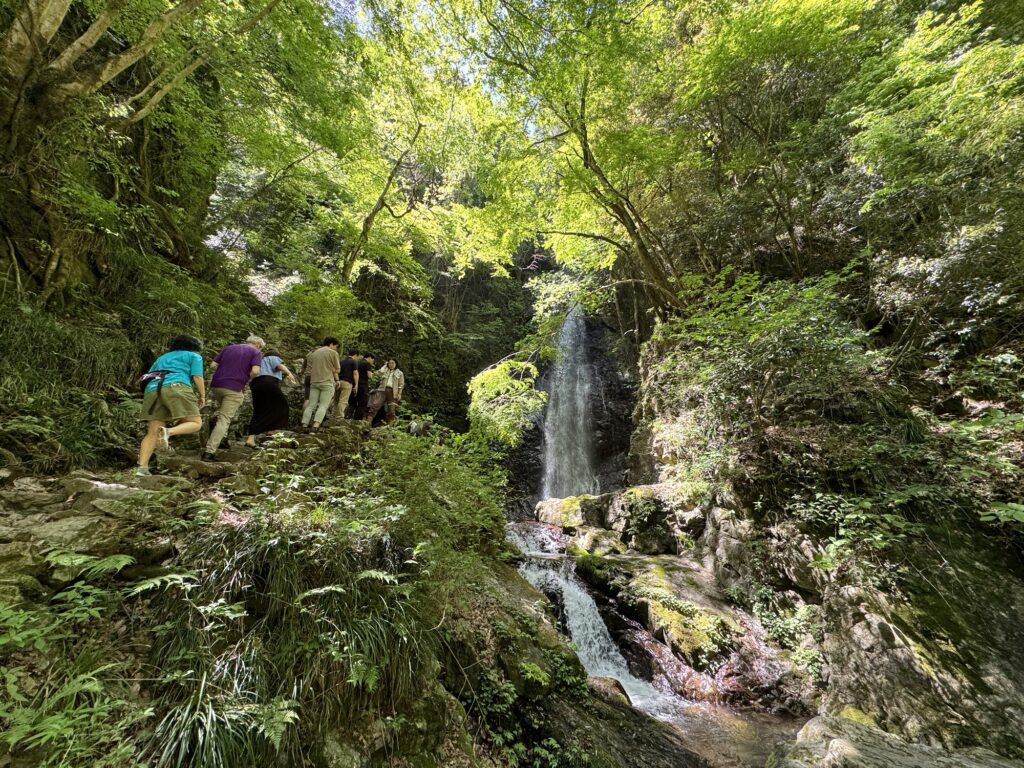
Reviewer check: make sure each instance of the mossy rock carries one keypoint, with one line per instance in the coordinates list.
(697, 635)
(574, 512)
(595, 541)
(596, 570)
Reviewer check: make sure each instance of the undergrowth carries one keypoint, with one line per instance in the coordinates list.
(310, 609)
(768, 388)
(67, 390)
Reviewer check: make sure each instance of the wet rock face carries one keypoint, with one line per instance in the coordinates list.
(851, 741)
(938, 658)
(525, 469)
(676, 628)
(945, 665)
(611, 408)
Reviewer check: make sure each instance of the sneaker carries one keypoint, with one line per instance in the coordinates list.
(142, 472)
(207, 456)
(163, 443)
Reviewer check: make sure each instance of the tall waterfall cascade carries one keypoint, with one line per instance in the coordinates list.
(718, 735)
(569, 471)
(568, 425)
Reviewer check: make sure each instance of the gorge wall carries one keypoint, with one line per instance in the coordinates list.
(919, 666)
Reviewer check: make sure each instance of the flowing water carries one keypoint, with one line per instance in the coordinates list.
(568, 429)
(569, 471)
(719, 735)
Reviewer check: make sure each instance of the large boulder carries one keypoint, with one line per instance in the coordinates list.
(575, 511)
(851, 740)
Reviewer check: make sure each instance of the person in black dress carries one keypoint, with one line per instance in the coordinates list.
(269, 405)
(361, 395)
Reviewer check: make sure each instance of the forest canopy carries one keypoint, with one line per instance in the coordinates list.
(405, 167)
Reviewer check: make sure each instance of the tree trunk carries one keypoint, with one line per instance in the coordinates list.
(382, 200)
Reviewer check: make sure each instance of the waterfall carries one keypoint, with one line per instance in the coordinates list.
(594, 644)
(719, 736)
(569, 471)
(568, 427)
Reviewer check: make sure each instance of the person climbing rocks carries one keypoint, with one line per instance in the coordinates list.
(323, 366)
(269, 405)
(390, 384)
(175, 391)
(233, 368)
(361, 397)
(349, 380)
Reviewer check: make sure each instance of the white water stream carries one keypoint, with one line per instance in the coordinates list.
(568, 427)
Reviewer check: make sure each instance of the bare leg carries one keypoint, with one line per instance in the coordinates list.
(189, 425)
(153, 428)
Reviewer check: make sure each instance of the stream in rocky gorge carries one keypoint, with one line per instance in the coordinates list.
(718, 734)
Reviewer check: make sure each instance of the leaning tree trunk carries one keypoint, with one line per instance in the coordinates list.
(51, 67)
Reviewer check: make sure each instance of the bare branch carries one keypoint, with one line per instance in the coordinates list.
(100, 76)
(87, 39)
(30, 32)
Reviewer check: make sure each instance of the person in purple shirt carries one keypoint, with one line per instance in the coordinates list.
(232, 368)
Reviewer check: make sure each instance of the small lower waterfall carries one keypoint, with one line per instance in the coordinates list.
(594, 645)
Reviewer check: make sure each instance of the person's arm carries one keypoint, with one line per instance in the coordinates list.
(255, 362)
(254, 372)
(400, 381)
(355, 378)
(198, 382)
(284, 369)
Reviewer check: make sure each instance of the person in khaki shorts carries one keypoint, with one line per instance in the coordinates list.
(322, 366)
(232, 368)
(176, 394)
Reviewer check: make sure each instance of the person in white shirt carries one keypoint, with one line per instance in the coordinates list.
(389, 390)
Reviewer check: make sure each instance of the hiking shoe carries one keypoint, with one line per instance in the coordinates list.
(142, 472)
(207, 456)
(163, 443)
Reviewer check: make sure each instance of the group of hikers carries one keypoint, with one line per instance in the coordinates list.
(175, 392)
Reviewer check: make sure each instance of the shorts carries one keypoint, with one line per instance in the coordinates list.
(174, 403)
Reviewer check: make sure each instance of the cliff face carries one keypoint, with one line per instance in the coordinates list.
(916, 653)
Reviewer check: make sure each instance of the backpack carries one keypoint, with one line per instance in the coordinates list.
(148, 378)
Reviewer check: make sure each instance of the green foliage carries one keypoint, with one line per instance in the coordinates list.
(808, 422)
(323, 605)
(642, 512)
(310, 312)
(504, 400)
(67, 696)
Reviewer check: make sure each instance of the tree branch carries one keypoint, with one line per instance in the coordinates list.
(87, 39)
(96, 78)
(192, 66)
(278, 175)
(381, 204)
(588, 235)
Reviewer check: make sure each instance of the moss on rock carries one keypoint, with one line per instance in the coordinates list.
(697, 635)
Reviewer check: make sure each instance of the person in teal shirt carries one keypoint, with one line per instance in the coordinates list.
(176, 396)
